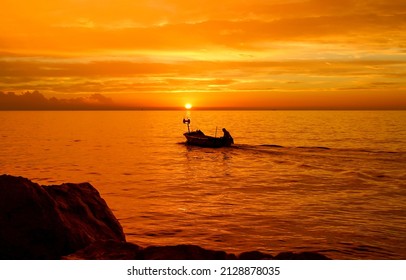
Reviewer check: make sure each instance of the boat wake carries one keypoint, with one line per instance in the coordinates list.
(265, 147)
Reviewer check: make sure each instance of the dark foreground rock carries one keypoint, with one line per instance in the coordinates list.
(255, 255)
(107, 250)
(111, 250)
(47, 222)
(300, 256)
(72, 222)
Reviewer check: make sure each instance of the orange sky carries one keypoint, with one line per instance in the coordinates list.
(229, 53)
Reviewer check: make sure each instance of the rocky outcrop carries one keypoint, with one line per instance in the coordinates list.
(255, 255)
(47, 222)
(111, 250)
(72, 221)
(300, 256)
(183, 252)
(107, 250)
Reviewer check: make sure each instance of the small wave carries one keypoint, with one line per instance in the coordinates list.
(164, 233)
(94, 173)
(255, 147)
(367, 248)
(314, 147)
(371, 152)
(272, 146)
(318, 148)
(246, 146)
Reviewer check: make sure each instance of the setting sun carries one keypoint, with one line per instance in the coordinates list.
(188, 106)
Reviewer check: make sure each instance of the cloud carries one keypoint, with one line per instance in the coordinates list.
(142, 78)
(238, 35)
(182, 25)
(236, 46)
(36, 101)
(203, 70)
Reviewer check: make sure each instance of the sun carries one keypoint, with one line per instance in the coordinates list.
(188, 106)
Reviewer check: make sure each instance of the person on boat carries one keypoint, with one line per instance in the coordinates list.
(227, 136)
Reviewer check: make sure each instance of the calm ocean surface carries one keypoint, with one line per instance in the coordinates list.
(326, 181)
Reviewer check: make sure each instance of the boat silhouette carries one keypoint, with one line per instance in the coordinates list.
(198, 138)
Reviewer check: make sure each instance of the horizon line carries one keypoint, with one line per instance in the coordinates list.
(204, 109)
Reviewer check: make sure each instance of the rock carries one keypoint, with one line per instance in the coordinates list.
(107, 250)
(184, 252)
(112, 250)
(254, 255)
(300, 256)
(47, 222)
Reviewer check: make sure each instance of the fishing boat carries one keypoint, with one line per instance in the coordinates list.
(198, 138)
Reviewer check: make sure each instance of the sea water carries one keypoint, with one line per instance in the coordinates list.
(327, 181)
